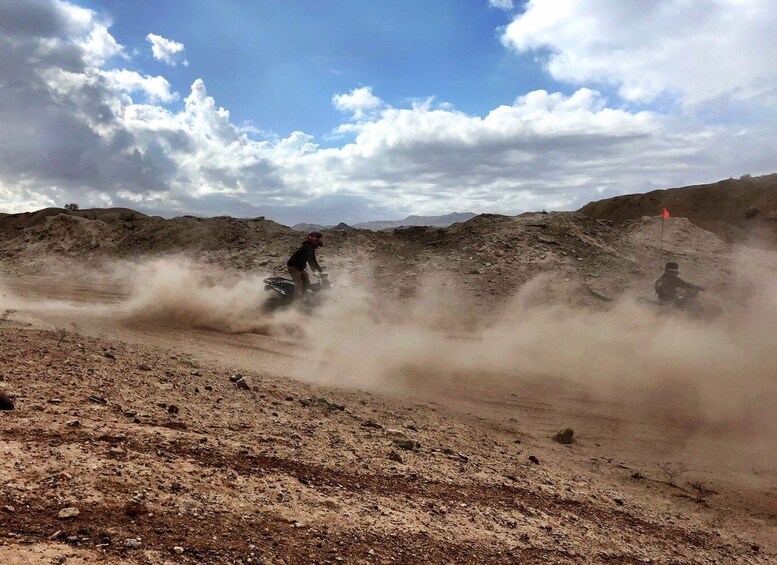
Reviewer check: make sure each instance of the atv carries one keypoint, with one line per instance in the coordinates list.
(282, 292)
(687, 302)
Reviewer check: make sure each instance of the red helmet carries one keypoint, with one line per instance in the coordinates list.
(314, 237)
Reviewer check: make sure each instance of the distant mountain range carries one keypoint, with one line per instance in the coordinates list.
(432, 221)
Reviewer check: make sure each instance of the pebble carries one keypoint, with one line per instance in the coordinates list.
(395, 434)
(405, 443)
(132, 543)
(69, 512)
(5, 402)
(178, 550)
(565, 436)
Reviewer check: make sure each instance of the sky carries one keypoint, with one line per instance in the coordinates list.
(350, 110)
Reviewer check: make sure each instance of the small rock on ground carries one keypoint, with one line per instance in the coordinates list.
(565, 436)
(6, 403)
(69, 512)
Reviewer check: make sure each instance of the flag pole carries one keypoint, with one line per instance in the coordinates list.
(661, 254)
(664, 216)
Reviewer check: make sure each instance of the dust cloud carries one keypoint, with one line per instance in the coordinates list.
(179, 292)
(717, 373)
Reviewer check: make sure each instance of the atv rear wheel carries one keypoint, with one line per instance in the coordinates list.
(274, 303)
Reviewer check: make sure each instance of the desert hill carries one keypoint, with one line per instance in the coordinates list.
(410, 221)
(737, 210)
(488, 256)
(29, 219)
(415, 221)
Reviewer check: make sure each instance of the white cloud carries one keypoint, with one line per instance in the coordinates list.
(506, 5)
(156, 89)
(167, 50)
(698, 50)
(360, 102)
(100, 46)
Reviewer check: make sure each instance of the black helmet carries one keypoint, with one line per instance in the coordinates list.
(672, 267)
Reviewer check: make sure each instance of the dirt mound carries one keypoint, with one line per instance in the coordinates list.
(30, 219)
(743, 210)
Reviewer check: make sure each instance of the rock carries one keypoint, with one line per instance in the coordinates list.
(8, 508)
(407, 444)
(6, 403)
(144, 367)
(394, 456)
(243, 384)
(172, 409)
(455, 455)
(98, 399)
(565, 436)
(109, 355)
(323, 402)
(236, 377)
(69, 512)
(178, 550)
(132, 543)
(395, 434)
(55, 401)
(534, 460)
(56, 535)
(637, 475)
(371, 424)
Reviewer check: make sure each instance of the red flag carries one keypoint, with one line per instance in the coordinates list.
(665, 213)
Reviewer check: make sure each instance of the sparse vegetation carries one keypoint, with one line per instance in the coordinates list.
(72, 207)
(673, 471)
(699, 491)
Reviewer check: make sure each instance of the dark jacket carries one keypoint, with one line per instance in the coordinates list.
(668, 284)
(304, 256)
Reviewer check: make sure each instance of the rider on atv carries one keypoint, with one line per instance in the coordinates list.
(671, 289)
(301, 258)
